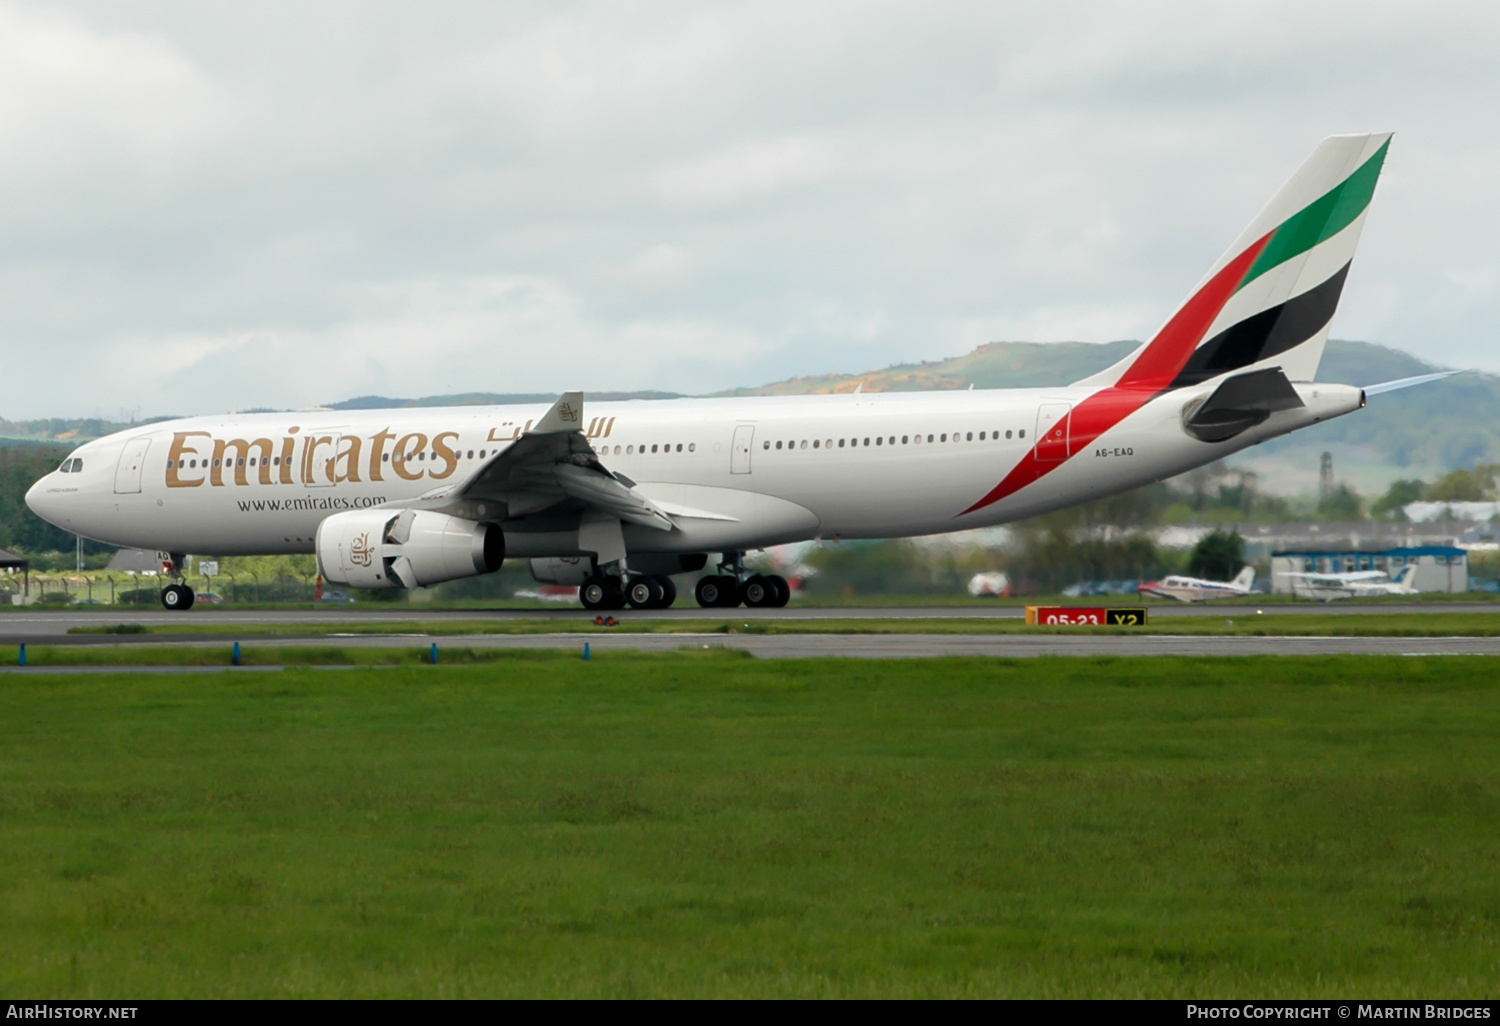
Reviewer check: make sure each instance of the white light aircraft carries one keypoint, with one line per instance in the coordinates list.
(1196, 589)
(617, 496)
(1355, 584)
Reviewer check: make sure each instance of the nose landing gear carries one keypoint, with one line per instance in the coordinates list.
(177, 597)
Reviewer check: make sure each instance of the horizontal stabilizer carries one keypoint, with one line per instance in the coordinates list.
(1240, 403)
(1420, 379)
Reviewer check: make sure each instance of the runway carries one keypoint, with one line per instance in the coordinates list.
(851, 646)
(33, 624)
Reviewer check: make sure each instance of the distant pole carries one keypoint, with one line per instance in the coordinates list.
(79, 538)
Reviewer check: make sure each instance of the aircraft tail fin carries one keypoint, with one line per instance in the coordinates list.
(1245, 579)
(1408, 572)
(1270, 299)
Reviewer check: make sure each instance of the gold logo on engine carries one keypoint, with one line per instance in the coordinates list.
(361, 552)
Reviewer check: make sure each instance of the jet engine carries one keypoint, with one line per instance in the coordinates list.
(382, 548)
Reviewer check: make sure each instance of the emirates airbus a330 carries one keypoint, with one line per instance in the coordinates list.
(615, 497)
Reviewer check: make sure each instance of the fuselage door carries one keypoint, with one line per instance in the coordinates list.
(744, 440)
(1052, 431)
(132, 464)
(321, 455)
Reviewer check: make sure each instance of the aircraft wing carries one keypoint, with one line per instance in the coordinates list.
(1337, 580)
(550, 464)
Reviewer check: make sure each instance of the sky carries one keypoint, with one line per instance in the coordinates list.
(207, 207)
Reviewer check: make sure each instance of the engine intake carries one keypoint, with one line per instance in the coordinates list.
(381, 548)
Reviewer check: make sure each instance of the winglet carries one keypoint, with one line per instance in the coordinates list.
(1420, 379)
(566, 415)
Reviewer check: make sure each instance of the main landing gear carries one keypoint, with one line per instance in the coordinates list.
(639, 591)
(732, 586)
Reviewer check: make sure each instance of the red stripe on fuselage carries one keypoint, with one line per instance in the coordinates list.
(1150, 375)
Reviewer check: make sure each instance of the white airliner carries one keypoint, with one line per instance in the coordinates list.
(616, 496)
(1355, 584)
(1196, 589)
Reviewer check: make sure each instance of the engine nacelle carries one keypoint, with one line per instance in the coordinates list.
(382, 548)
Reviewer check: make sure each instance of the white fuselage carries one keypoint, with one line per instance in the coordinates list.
(734, 474)
(1192, 589)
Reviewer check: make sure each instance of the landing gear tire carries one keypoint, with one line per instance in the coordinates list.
(783, 590)
(759, 592)
(717, 592)
(644, 593)
(599, 592)
(177, 597)
(669, 592)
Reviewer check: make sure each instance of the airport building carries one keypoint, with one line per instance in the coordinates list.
(1439, 567)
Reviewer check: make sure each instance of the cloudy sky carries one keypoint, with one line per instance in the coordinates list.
(211, 206)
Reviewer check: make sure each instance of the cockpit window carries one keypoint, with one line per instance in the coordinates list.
(66, 468)
(77, 466)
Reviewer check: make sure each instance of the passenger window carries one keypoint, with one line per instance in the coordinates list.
(942, 438)
(1007, 434)
(893, 439)
(969, 437)
(815, 443)
(778, 445)
(1021, 433)
(981, 436)
(617, 450)
(679, 446)
(653, 448)
(929, 438)
(867, 442)
(692, 447)
(828, 444)
(766, 445)
(880, 441)
(841, 443)
(216, 463)
(903, 440)
(471, 454)
(804, 443)
(481, 454)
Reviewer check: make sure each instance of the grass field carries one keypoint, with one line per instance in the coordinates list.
(709, 824)
(1369, 624)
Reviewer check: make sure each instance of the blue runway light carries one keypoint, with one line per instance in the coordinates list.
(235, 659)
(434, 653)
(585, 653)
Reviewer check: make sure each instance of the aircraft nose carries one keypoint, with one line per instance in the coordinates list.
(40, 502)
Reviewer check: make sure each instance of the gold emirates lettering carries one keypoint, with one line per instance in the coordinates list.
(196, 458)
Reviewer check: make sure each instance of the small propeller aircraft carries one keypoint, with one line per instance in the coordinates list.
(1196, 589)
(1355, 584)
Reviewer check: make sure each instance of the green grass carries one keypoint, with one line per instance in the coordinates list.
(709, 824)
(1369, 624)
